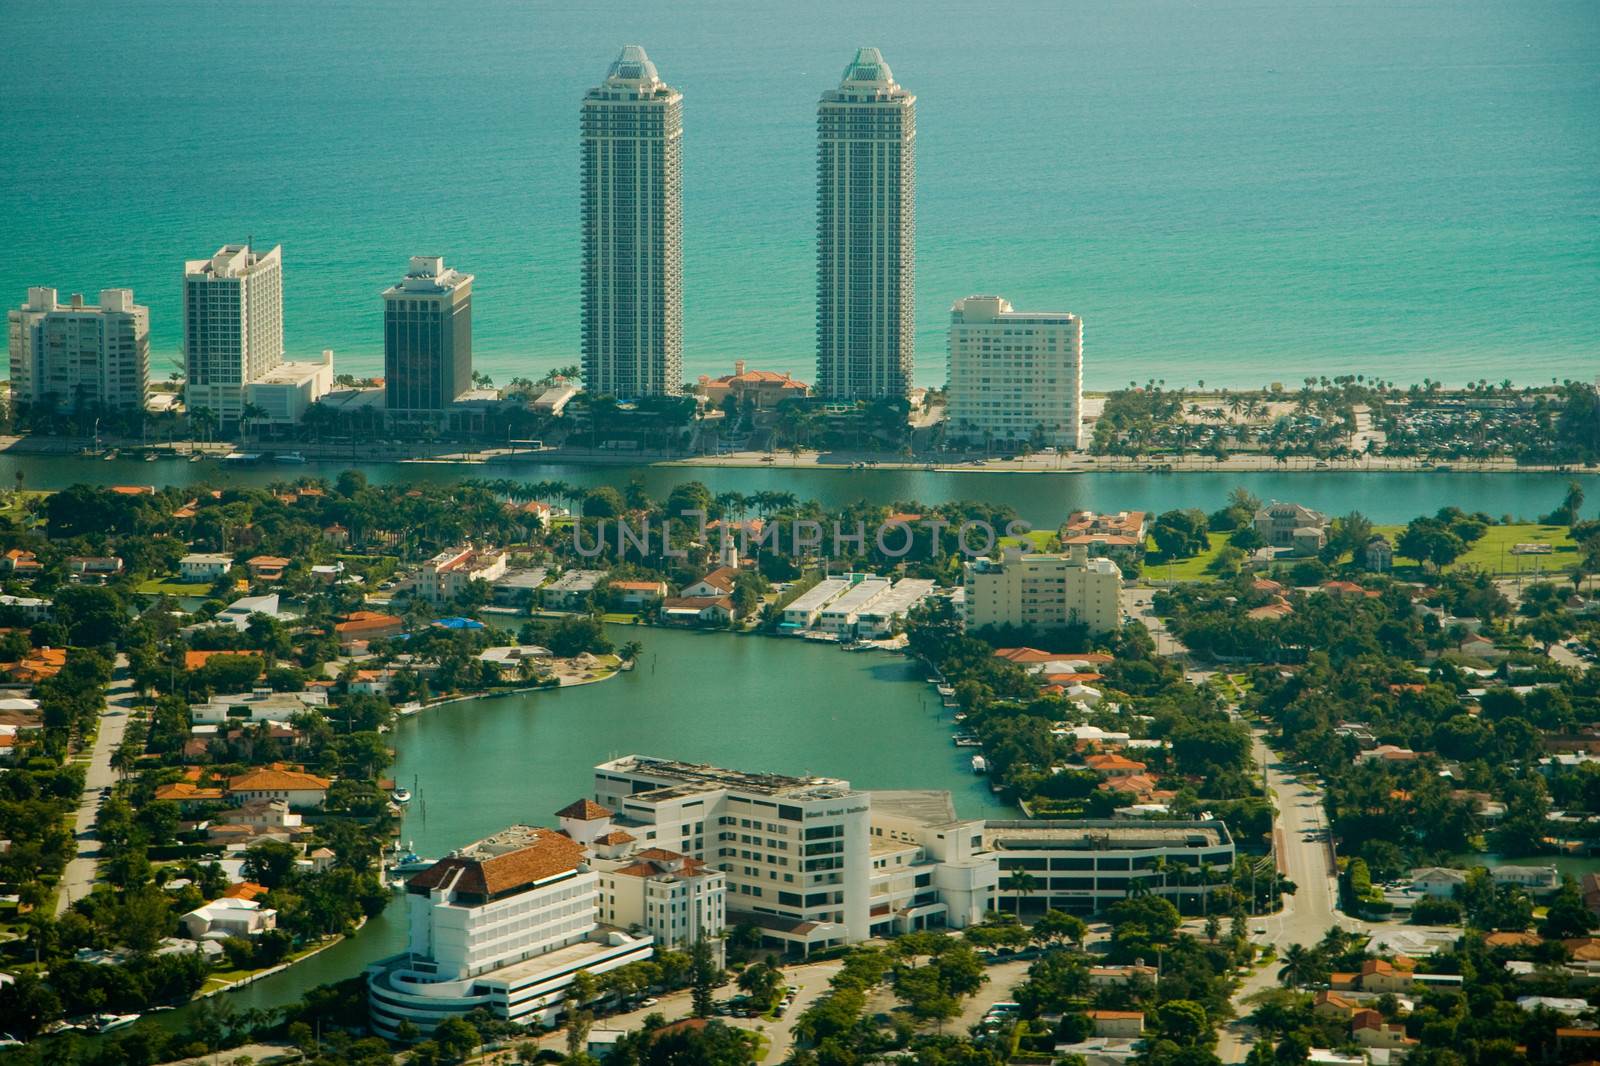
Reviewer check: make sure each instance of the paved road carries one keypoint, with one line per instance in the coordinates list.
(80, 873)
(1138, 606)
(1301, 831)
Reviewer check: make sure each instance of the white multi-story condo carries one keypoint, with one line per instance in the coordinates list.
(452, 572)
(502, 924)
(866, 223)
(427, 337)
(1043, 591)
(632, 125)
(676, 899)
(78, 356)
(806, 858)
(232, 326)
(1085, 865)
(1014, 375)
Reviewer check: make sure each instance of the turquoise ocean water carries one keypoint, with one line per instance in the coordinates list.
(1227, 191)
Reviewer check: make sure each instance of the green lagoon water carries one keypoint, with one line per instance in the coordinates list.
(1235, 191)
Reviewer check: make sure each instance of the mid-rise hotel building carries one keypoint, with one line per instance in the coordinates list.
(232, 325)
(1043, 591)
(866, 229)
(427, 337)
(77, 355)
(1014, 375)
(632, 126)
(810, 861)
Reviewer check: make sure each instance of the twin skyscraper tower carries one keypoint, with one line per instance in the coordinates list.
(632, 125)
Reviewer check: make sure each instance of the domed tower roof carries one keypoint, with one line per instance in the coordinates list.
(867, 69)
(632, 69)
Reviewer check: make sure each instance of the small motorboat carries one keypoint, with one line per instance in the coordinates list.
(289, 457)
(980, 765)
(104, 1023)
(401, 795)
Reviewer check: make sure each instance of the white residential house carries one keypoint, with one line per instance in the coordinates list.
(222, 918)
(204, 566)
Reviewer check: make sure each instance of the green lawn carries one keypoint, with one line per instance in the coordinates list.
(1038, 540)
(1196, 569)
(154, 586)
(1493, 551)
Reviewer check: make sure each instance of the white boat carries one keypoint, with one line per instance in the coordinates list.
(104, 1023)
(980, 765)
(241, 457)
(289, 457)
(401, 795)
(967, 741)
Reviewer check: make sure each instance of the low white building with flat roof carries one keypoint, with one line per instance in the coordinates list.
(1083, 866)
(570, 589)
(804, 611)
(879, 617)
(839, 616)
(288, 390)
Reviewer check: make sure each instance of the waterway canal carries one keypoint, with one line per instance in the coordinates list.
(1042, 498)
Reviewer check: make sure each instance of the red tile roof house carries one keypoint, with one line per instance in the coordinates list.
(697, 610)
(719, 582)
(367, 625)
(267, 567)
(1114, 765)
(294, 787)
(1125, 529)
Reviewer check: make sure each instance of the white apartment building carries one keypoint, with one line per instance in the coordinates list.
(807, 607)
(879, 618)
(450, 573)
(1085, 865)
(79, 355)
(631, 152)
(1043, 591)
(805, 858)
(675, 899)
(232, 326)
(866, 233)
(1014, 375)
(839, 616)
(288, 390)
(502, 924)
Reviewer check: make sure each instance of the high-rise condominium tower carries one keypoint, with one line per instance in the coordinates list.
(427, 337)
(632, 248)
(1014, 375)
(866, 221)
(78, 356)
(232, 325)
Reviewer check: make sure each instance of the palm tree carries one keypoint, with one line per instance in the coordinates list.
(1301, 966)
(1023, 884)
